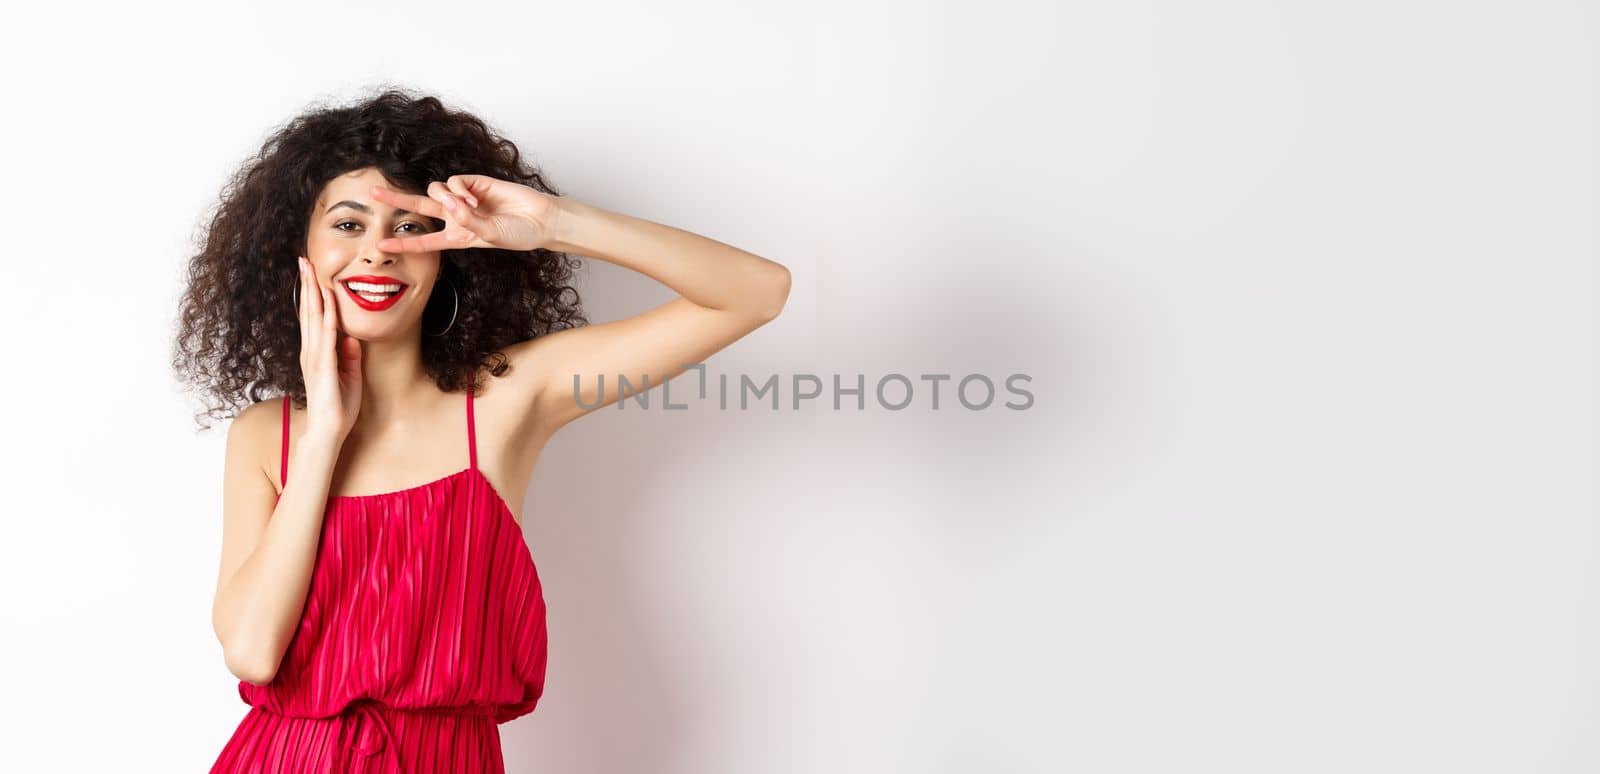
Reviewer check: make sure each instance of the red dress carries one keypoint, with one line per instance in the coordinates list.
(423, 629)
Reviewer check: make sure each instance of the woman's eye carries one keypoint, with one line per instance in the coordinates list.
(338, 225)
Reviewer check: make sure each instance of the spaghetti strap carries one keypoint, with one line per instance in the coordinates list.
(283, 455)
(472, 433)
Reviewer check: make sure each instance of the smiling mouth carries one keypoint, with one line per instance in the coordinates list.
(374, 296)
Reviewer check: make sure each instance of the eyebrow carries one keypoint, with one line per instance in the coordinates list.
(363, 208)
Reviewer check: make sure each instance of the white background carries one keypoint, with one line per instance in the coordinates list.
(1305, 290)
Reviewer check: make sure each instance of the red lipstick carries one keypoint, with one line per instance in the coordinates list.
(388, 298)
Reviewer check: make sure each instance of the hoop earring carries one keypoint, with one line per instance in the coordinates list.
(454, 309)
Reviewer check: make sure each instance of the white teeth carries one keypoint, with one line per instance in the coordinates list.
(374, 299)
(372, 287)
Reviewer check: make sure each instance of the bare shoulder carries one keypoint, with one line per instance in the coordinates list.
(253, 435)
(258, 418)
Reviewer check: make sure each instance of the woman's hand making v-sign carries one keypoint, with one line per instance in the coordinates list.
(497, 213)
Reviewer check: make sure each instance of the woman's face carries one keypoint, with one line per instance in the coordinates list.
(342, 245)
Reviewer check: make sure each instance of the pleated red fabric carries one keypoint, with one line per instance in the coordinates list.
(423, 630)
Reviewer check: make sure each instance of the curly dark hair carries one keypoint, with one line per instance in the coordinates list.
(238, 338)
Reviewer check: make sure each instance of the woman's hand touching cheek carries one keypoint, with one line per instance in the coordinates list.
(478, 211)
(330, 360)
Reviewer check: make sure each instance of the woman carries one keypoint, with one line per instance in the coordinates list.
(375, 596)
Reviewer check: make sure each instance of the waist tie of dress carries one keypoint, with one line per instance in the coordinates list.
(381, 740)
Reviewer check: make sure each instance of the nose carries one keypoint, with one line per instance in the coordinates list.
(379, 259)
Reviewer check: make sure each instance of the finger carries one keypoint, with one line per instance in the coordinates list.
(452, 202)
(458, 201)
(305, 293)
(330, 328)
(461, 212)
(480, 186)
(461, 185)
(462, 216)
(330, 318)
(313, 303)
(350, 364)
(421, 205)
(449, 239)
(350, 355)
(350, 349)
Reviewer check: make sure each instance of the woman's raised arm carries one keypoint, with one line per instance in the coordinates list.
(724, 292)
